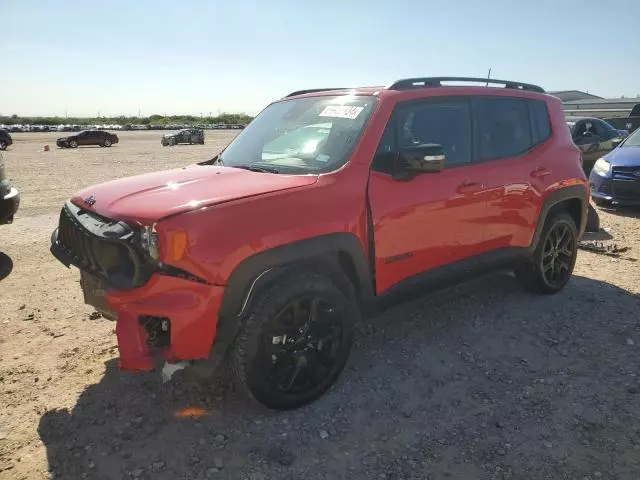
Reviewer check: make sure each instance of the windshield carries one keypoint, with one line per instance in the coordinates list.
(299, 136)
(633, 140)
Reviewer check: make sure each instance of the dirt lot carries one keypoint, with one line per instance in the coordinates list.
(482, 381)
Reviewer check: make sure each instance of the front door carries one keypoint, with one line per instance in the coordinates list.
(83, 138)
(585, 136)
(430, 220)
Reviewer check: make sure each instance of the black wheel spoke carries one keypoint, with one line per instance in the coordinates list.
(302, 342)
(297, 369)
(558, 254)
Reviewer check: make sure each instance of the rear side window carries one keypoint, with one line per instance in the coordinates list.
(504, 128)
(540, 125)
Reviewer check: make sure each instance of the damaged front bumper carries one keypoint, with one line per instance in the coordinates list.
(158, 314)
(169, 317)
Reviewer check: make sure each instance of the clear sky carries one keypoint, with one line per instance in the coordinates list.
(193, 56)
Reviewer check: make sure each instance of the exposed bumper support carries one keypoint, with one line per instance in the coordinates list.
(192, 309)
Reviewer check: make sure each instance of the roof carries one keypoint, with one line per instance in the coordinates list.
(601, 101)
(572, 95)
(421, 83)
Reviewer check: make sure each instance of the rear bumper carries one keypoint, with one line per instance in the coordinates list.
(9, 206)
(192, 310)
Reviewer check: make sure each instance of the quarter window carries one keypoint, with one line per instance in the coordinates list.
(540, 125)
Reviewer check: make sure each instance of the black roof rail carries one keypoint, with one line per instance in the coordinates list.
(409, 83)
(313, 90)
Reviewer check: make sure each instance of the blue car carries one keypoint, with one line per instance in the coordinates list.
(615, 178)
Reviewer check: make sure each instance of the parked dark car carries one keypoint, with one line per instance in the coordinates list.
(630, 123)
(88, 137)
(186, 135)
(595, 137)
(9, 197)
(615, 178)
(5, 139)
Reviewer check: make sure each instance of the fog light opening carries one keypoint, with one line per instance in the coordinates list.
(158, 331)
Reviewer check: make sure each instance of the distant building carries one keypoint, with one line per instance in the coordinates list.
(572, 95)
(601, 107)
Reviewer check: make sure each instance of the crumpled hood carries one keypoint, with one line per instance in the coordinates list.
(624, 157)
(150, 197)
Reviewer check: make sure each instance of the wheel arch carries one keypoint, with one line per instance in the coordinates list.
(333, 253)
(573, 200)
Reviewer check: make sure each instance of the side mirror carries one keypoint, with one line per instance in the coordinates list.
(424, 158)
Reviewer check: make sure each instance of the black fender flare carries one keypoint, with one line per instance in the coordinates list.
(573, 192)
(257, 270)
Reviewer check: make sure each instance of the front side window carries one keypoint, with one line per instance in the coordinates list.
(446, 123)
(604, 130)
(504, 127)
(301, 136)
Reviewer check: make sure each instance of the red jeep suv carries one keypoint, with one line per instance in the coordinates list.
(329, 205)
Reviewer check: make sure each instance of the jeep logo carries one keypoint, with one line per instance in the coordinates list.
(90, 200)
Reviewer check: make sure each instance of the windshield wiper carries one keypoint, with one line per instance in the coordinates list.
(257, 168)
(214, 161)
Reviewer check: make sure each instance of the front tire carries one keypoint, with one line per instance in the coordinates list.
(73, 144)
(294, 341)
(551, 265)
(107, 143)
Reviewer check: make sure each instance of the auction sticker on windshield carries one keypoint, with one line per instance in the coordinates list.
(341, 111)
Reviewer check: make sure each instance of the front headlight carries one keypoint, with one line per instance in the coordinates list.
(150, 243)
(602, 166)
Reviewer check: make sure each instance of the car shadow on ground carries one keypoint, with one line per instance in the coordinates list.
(481, 381)
(6, 266)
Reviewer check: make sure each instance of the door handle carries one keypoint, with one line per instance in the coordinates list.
(469, 187)
(540, 172)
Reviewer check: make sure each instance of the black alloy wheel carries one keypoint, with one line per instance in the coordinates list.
(295, 339)
(558, 255)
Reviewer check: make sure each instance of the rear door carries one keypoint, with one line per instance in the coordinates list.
(511, 138)
(432, 219)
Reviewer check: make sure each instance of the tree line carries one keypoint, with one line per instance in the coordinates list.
(225, 118)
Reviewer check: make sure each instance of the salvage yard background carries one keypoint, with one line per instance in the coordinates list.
(481, 381)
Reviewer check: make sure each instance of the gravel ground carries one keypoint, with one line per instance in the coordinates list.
(480, 381)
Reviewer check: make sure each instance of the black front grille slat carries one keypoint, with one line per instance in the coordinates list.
(110, 259)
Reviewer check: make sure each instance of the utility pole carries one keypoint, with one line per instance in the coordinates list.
(488, 77)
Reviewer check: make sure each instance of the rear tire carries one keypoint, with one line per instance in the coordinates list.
(3, 145)
(294, 341)
(551, 265)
